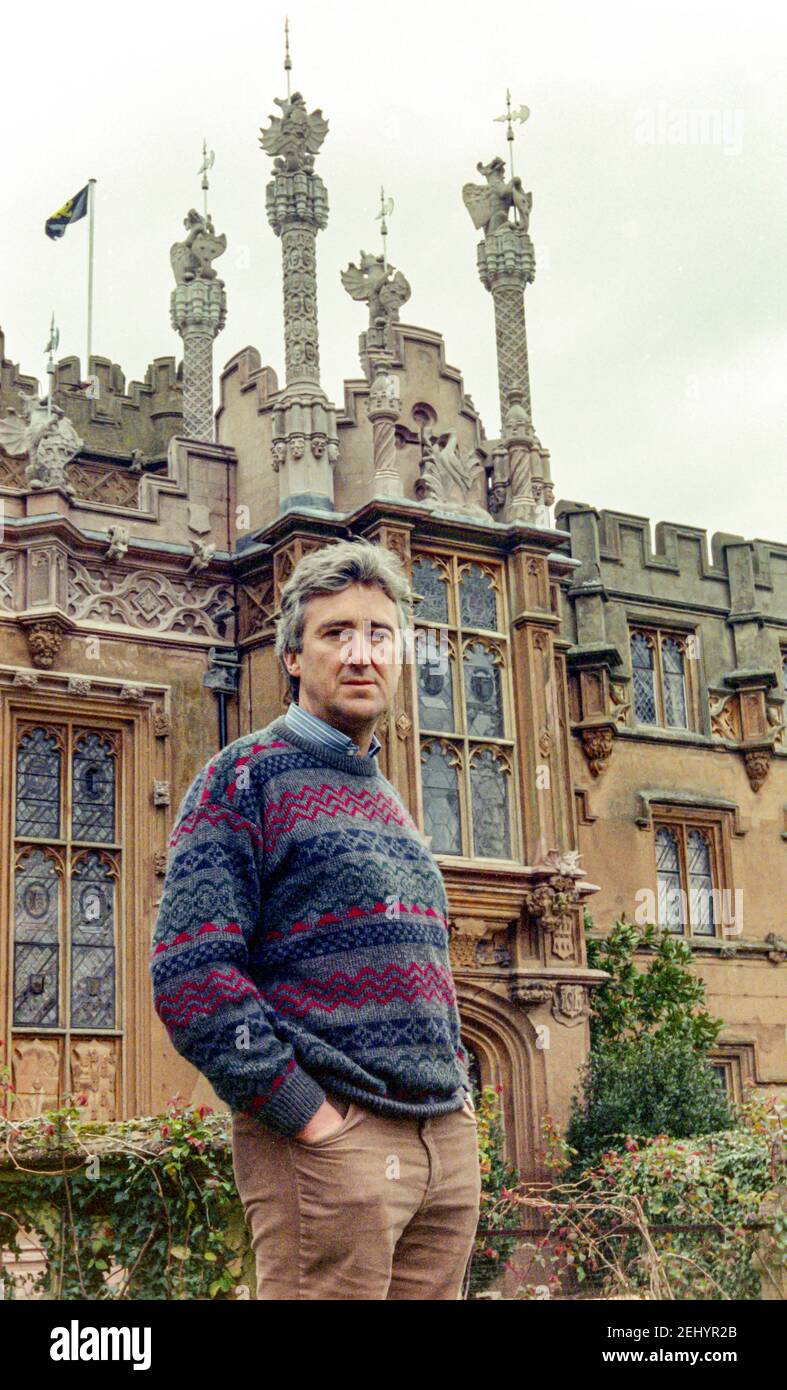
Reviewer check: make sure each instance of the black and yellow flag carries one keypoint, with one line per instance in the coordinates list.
(71, 211)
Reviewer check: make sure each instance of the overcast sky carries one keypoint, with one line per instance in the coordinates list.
(655, 153)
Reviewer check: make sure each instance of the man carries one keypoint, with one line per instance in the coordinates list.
(301, 963)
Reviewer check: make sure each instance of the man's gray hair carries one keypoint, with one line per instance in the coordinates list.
(331, 568)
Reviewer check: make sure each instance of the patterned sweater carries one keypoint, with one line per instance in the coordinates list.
(301, 943)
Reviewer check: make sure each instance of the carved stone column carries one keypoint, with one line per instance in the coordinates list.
(198, 310)
(506, 265)
(305, 442)
(384, 408)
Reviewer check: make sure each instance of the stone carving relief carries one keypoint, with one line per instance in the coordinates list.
(757, 762)
(161, 793)
(597, 744)
(44, 640)
(570, 1004)
(108, 484)
(489, 205)
(378, 283)
(144, 599)
(295, 137)
(528, 993)
(191, 259)
(36, 1069)
(724, 717)
(7, 579)
(257, 608)
(94, 1073)
(79, 685)
(448, 479)
(118, 542)
(551, 905)
(47, 438)
(203, 554)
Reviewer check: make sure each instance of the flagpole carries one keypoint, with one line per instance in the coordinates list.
(91, 198)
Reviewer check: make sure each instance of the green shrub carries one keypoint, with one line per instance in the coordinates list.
(641, 1088)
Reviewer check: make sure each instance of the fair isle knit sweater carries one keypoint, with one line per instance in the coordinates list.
(301, 944)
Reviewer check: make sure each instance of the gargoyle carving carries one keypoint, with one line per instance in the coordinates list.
(191, 259)
(295, 136)
(489, 206)
(448, 479)
(49, 440)
(383, 286)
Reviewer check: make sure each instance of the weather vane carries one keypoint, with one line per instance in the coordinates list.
(521, 115)
(287, 58)
(208, 157)
(386, 208)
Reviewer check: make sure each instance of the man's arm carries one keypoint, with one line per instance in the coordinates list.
(203, 993)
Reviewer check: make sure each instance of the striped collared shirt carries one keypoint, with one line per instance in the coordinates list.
(313, 727)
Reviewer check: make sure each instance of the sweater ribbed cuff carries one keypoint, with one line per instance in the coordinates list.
(291, 1107)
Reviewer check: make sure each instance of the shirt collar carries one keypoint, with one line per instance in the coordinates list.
(311, 726)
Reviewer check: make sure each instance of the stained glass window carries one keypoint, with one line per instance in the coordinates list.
(674, 684)
(38, 773)
(668, 879)
(469, 807)
(429, 582)
(489, 782)
(435, 686)
(440, 782)
(65, 948)
(483, 696)
(92, 942)
(37, 927)
(477, 599)
(94, 789)
(643, 676)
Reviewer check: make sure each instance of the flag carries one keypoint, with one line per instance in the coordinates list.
(71, 211)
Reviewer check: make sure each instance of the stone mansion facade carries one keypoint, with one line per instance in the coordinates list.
(607, 734)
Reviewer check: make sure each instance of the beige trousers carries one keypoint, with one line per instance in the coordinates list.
(379, 1209)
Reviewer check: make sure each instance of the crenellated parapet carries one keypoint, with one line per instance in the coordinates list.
(110, 419)
(671, 642)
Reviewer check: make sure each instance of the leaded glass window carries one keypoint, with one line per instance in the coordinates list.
(93, 941)
(489, 785)
(686, 858)
(660, 679)
(469, 808)
(66, 891)
(93, 793)
(429, 581)
(700, 882)
(39, 761)
(37, 934)
(674, 684)
(477, 599)
(434, 677)
(440, 782)
(644, 679)
(668, 878)
(483, 696)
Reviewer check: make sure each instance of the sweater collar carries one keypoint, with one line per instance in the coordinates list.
(312, 727)
(351, 763)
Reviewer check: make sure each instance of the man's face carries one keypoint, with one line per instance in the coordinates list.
(350, 664)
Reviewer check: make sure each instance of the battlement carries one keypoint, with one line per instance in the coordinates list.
(112, 420)
(674, 560)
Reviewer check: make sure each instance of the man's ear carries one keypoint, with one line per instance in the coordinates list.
(292, 661)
